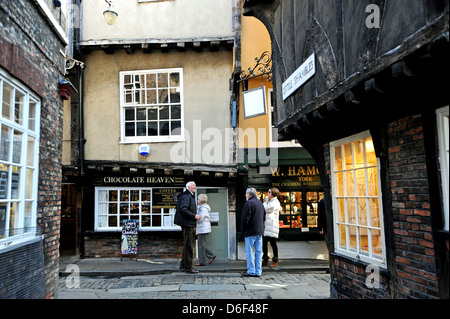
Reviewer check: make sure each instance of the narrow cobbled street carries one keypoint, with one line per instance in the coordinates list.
(201, 286)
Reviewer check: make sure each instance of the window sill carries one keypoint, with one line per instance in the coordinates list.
(6, 245)
(153, 140)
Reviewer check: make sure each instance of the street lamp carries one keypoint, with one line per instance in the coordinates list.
(110, 14)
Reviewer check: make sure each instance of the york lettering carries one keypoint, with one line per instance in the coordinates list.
(373, 19)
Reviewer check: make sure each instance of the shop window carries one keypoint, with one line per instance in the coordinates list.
(299, 209)
(151, 106)
(19, 156)
(357, 206)
(443, 138)
(154, 208)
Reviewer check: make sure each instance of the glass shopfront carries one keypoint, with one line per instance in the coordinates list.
(300, 194)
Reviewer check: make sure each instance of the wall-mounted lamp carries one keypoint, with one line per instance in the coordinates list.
(110, 14)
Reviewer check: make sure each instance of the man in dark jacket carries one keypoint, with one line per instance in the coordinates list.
(252, 227)
(186, 217)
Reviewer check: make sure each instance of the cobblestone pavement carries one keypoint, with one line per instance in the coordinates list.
(177, 285)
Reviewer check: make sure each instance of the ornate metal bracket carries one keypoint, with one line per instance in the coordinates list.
(263, 67)
(70, 63)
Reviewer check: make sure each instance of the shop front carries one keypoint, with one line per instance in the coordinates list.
(150, 198)
(300, 193)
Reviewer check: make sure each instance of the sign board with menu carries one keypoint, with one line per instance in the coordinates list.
(129, 241)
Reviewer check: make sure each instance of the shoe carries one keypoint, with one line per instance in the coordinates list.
(265, 263)
(246, 274)
(191, 271)
(274, 264)
(212, 259)
(198, 264)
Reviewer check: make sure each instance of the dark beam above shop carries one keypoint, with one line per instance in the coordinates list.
(151, 45)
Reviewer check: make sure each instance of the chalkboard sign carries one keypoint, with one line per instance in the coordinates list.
(129, 242)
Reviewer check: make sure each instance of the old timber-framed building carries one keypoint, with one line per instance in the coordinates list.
(362, 86)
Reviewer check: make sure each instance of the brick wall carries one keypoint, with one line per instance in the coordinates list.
(29, 51)
(414, 248)
(22, 273)
(99, 245)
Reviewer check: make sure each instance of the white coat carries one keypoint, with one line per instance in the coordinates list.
(204, 223)
(272, 223)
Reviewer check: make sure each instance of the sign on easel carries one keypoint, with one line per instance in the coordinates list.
(129, 241)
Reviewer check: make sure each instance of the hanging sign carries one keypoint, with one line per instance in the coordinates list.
(299, 77)
(129, 242)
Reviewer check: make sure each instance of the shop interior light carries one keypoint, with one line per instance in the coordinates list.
(110, 14)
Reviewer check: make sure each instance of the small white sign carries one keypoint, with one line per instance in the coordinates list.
(300, 76)
(214, 217)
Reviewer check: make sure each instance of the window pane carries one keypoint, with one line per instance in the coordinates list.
(372, 176)
(141, 114)
(113, 196)
(174, 96)
(112, 221)
(338, 158)
(30, 151)
(176, 128)
(358, 146)
(374, 212)
(151, 80)
(349, 183)
(163, 80)
(151, 97)
(14, 227)
(6, 103)
(18, 107)
(141, 129)
(130, 128)
(341, 210)
(340, 184)
(152, 113)
(353, 245)
(175, 112)
(163, 96)
(360, 182)
(4, 181)
(3, 210)
(17, 147)
(370, 152)
(5, 143)
(175, 79)
(129, 114)
(32, 116)
(348, 157)
(153, 129)
(342, 237)
(112, 209)
(15, 182)
(377, 249)
(29, 184)
(28, 215)
(146, 195)
(164, 129)
(351, 211)
(362, 213)
(164, 113)
(364, 241)
(124, 195)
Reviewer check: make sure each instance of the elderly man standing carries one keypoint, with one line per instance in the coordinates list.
(252, 227)
(186, 216)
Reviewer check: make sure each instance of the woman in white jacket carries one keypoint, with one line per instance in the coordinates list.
(203, 229)
(272, 226)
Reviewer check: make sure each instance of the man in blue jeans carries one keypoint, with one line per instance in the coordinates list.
(252, 227)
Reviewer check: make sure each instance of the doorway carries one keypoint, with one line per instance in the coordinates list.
(218, 239)
(69, 220)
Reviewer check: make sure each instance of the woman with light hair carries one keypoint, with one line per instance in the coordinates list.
(203, 229)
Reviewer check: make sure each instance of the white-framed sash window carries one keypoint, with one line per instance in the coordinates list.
(151, 106)
(357, 199)
(19, 160)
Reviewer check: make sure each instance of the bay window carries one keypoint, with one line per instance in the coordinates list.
(19, 149)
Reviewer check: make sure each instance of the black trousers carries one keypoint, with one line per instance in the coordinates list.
(188, 247)
(273, 243)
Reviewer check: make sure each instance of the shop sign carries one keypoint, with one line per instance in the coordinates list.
(141, 180)
(295, 176)
(166, 197)
(129, 242)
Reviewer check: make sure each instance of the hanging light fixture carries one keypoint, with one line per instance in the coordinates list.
(110, 14)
